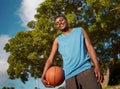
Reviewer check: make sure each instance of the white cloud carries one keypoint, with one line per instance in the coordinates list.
(28, 10)
(3, 55)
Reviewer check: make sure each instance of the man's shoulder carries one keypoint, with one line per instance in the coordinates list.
(77, 29)
(59, 36)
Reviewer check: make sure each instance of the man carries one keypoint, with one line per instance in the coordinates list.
(77, 51)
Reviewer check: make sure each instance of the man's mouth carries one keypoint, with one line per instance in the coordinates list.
(62, 25)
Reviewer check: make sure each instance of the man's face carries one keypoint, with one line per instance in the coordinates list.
(61, 23)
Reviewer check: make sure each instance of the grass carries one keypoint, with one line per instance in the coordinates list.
(112, 87)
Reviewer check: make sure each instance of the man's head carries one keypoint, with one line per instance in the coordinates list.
(61, 22)
(60, 16)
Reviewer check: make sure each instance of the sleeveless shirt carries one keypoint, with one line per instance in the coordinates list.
(74, 52)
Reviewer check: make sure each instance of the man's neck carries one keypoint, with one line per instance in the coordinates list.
(67, 31)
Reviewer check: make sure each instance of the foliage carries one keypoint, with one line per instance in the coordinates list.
(115, 73)
(30, 49)
(29, 53)
(62, 87)
(112, 87)
(31, 24)
(105, 27)
(8, 87)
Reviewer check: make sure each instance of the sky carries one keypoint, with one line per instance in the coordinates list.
(14, 15)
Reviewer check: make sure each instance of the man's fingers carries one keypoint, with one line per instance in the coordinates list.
(100, 78)
(49, 86)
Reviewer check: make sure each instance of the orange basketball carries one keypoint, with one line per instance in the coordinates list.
(55, 75)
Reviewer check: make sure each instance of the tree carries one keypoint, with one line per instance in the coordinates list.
(62, 87)
(8, 87)
(31, 24)
(30, 49)
(105, 27)
(105, 31)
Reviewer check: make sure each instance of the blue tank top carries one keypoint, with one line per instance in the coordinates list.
(74, 53)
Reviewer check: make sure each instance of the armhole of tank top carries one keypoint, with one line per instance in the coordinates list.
(82, 32)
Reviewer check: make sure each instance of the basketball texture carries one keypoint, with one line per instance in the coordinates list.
(55, 75)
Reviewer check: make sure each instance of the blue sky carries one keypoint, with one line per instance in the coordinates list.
(14, 15)
(10, 22)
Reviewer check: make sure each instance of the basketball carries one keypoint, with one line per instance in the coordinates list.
(55, 76)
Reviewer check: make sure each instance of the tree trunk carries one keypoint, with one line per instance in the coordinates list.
(106, 77)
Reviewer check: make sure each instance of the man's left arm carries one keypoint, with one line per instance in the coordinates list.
(93, 56)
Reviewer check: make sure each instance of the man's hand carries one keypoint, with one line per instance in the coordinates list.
(99, 74)
(46, 83)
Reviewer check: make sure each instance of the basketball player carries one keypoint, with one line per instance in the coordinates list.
(77, 53)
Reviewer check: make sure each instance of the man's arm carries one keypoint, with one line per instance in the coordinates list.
(93, 56)
(49, 62)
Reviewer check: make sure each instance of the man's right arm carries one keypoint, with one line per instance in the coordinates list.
(49, 62)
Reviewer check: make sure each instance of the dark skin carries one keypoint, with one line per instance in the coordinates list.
(62, 24)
